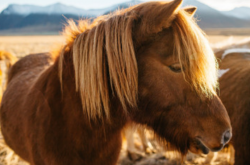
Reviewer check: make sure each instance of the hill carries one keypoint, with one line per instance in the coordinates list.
(211, 18)
(51, 18)
(239, 12)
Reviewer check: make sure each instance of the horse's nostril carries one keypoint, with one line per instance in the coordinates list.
(226, 136)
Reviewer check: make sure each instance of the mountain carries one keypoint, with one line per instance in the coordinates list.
(61, 9)
(51, 18)
(209, 17)
(239, 12)
(201, 6)
(37, 22)
(55, 9)
(9, 21)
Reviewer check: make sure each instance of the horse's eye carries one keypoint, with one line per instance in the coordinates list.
(175, 68)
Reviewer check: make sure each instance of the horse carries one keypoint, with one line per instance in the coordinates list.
(150, 64)
(235, 95)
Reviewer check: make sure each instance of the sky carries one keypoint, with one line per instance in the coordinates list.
(94, 4)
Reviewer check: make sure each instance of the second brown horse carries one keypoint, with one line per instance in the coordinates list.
(235, 94)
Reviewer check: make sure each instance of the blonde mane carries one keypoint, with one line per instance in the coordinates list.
(103, 53)
(104, 58)
(195, 55)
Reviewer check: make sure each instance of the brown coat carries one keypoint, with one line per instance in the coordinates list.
(235, 95)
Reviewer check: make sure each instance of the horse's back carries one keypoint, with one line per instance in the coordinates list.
(22, 77)
(29, 64)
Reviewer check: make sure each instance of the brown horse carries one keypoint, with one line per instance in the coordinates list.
(150, 64)
(235, 94)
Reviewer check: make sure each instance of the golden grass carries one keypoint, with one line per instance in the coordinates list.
(228, 31)
(213, 39)
(24, 45)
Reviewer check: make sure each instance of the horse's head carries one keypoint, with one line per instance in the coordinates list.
(155, 60)
(177, 79)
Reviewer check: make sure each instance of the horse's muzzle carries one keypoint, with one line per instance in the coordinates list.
(226, 136)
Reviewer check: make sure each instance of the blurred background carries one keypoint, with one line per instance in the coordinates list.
(28, 17)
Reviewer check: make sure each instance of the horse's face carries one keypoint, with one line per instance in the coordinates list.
(169, 104)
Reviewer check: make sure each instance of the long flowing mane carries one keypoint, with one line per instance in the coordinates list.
(195, 54)
(103, 53)
(104, 58)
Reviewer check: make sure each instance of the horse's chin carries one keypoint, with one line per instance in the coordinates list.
(198, 147)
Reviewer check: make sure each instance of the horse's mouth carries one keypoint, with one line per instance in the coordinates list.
(201, 146)
(198, 147)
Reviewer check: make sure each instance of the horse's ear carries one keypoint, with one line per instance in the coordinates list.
(165, 13)
(154, 16)
(190, 10)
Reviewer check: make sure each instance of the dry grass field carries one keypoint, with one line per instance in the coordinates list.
(228, 31)
(24, 45)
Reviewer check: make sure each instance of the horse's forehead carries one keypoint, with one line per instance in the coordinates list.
(165, 37)
(162, 43)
